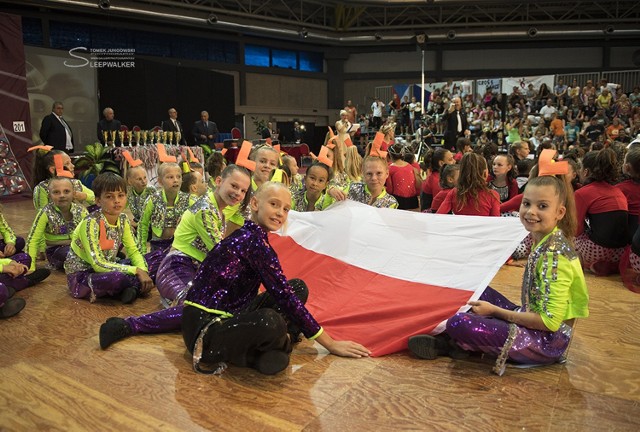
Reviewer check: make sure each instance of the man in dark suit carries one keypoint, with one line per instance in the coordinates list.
(268, 132)
(204, 131)
(173, 125)
(55, 131)
(456, 122)
(109, 124)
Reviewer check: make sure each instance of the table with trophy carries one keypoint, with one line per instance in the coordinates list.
(143, 145)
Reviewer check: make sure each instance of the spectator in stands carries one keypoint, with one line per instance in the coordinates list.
(352, 112)
(635, 97)
(268, 132)
(547, 111)
(560, 91)
(376, 108)
(205, 131)
(55, 131)
(111, 126)
(589, 91)
(174, 125)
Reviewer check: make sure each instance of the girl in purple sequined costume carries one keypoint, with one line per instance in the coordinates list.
(554, 292)
(223, 317)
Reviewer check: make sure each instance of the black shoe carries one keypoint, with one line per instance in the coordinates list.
(12, 307)
(128, 295)
(113, 330)
(272, 362)
(427, 347)
(10, 292)
(37, 276)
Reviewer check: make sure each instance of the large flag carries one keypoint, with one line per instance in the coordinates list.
(379, 276)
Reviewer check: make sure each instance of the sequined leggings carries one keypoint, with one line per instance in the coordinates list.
(57, 255)
(90, 285)
(175, 272)
(240, 340)
(488, 335)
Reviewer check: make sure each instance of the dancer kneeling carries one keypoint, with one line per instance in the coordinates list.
(223, 317)
(554, 292)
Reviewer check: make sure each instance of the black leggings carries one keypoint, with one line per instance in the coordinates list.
(241, 339)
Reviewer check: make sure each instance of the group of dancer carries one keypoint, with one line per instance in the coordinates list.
(209, 250)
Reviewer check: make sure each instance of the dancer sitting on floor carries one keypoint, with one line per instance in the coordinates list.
(92, 266)
(554, 291)
(224, 319)
(54, 224)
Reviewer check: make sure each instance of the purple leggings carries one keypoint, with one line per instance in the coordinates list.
(90, 285)
(488, 335)
(57, 255)
(175, 272)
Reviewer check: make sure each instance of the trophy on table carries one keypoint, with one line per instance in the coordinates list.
(121, 135)
(113, 138)
(164, 138)
(170, 137)
(105, 134)
(152, 135)
(137, 137)
(178, 136)
(144, 138)
(130, 138)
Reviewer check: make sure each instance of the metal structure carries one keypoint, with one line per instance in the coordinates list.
(373, 22)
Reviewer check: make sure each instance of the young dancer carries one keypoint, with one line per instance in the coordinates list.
(403, 180)
(554, 292)
(371, 191)
(54, 224)
(312, 196)
(449, 176)
(433, 160)
(605, 208)
(10, 306)
(295, 179)
(472, 196)
(92, 266)
(225, 320)
(44, 169)
(201, 227)
(163, 209)
(194, 185)
(10, 244)
(504, 176)
(215, 164)
(630, 187)
(137, 192)
(353, 164)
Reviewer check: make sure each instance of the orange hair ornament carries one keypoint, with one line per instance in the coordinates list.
(323, 156)
(332, 137)
(40, 147)
(548, 166)
(192, 157)
(243, 157)
(348, 142)
(163, 156)
(130, 160)
(269, 141)
(105, 242)
(375, 146)
(59, 164)
(223, 151)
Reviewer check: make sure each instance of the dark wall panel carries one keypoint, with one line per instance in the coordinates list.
(142, 95)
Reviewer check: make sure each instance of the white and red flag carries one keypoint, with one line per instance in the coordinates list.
(379, 276)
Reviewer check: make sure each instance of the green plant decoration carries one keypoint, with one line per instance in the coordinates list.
(96, 160)
(259, 124)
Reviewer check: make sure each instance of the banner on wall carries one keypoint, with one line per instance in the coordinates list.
(495, 84)
(456, 88)
(523, 82)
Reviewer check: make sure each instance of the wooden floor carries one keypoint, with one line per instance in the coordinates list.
(54, 376)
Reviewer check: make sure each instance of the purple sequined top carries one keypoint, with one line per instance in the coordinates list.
(229, 277)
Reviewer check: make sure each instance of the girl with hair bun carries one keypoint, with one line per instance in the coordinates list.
(404, 181)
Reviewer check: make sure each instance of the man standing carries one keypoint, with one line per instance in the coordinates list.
(456, 122)
(268, 132)
(174, 125)
(109, 125)
(376, 107)
(205, 131)
(352, 112)
(55, 131)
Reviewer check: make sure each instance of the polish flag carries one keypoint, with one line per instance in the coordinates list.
(379, 276)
